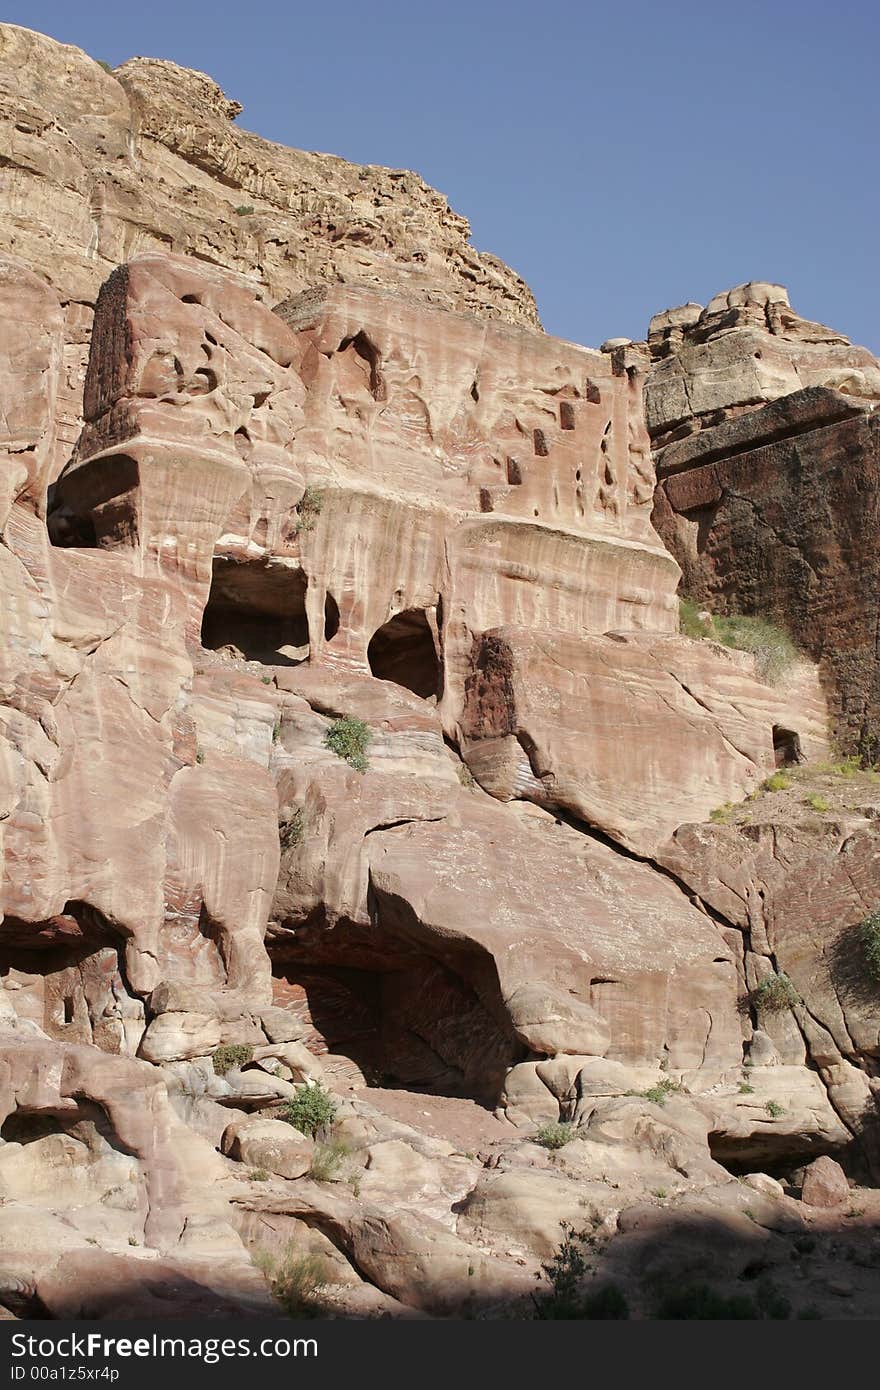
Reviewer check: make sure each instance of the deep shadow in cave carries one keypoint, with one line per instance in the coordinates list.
(403, 1016)
(257, 608)
(68, 974)
(403, 651)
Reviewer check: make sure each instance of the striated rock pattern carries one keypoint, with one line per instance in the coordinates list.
(348, 746)
(765, 435)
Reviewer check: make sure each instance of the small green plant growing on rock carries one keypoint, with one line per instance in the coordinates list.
(566, 1298)
(292, 832)
(774, 1109)
(108, 67)
(232, 1055)
(349, 739)
(327, 1160)
(295, 1280)
(745, 1089)
(310, 1110)
(777, 782)
(200, 757)
(308, 509)
(658, 1094)
(721, 814)
(817, 802)
(772, 647)
(259, 1175)
(775, 994)
(554, 1135)
(869, 933)
(690, 620)
(245, 210)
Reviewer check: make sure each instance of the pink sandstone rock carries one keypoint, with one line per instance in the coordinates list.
(825, 1184)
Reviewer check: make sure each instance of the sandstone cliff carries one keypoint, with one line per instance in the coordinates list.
(351, 756)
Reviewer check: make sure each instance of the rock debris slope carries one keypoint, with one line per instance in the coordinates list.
(348, 744)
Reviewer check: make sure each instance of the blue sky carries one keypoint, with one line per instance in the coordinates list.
(623, 156)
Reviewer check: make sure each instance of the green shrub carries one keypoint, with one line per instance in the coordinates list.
(108, 67)
(200, 757)
(259, 1175)
(564, 1271)
(690, 624)
(778, 782)
(657, 1094)
(775, 994)
(310, 1110)
(772, 648)
(847, 767)
(817, 802)
(292, 832)
(231, 1055)
(328, 1159)
(295, 1280)
(774, 1109)
(349, 739)
(308, 509)
(554, 1135)
(245, 210)
(869, 933)
(745, 1089)
(721, 814)
(276, 731)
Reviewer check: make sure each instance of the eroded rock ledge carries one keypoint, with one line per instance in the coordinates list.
(549, 887)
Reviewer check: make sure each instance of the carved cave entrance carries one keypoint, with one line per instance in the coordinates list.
(257, 611)
(786, 747)
(403, 650)
(67, 975)
(406, 1017)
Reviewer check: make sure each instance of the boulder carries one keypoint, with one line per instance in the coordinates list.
(825, 1184)
(269, 1144)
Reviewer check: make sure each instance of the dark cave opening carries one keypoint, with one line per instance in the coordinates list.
(405, 1018)
(95, 505)
(403, 650)
(331, 617)
(786, 747)
(67, 976)
(256, 611)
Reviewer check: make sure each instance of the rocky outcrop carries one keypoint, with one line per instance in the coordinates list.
(99, 167)
(350, 753)
(765, 436)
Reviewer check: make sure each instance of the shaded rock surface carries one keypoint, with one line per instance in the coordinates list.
(348, 745)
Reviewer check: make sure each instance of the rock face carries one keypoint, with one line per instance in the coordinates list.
(348, 741)
(766, 445)
(99, 167)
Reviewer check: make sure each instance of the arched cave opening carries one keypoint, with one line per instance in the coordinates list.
(786, 747)
(331, 617)
(67, 975)
(407, 1019)
(256, 611)
(403, 650)
(95, 505)
(777, 1153)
